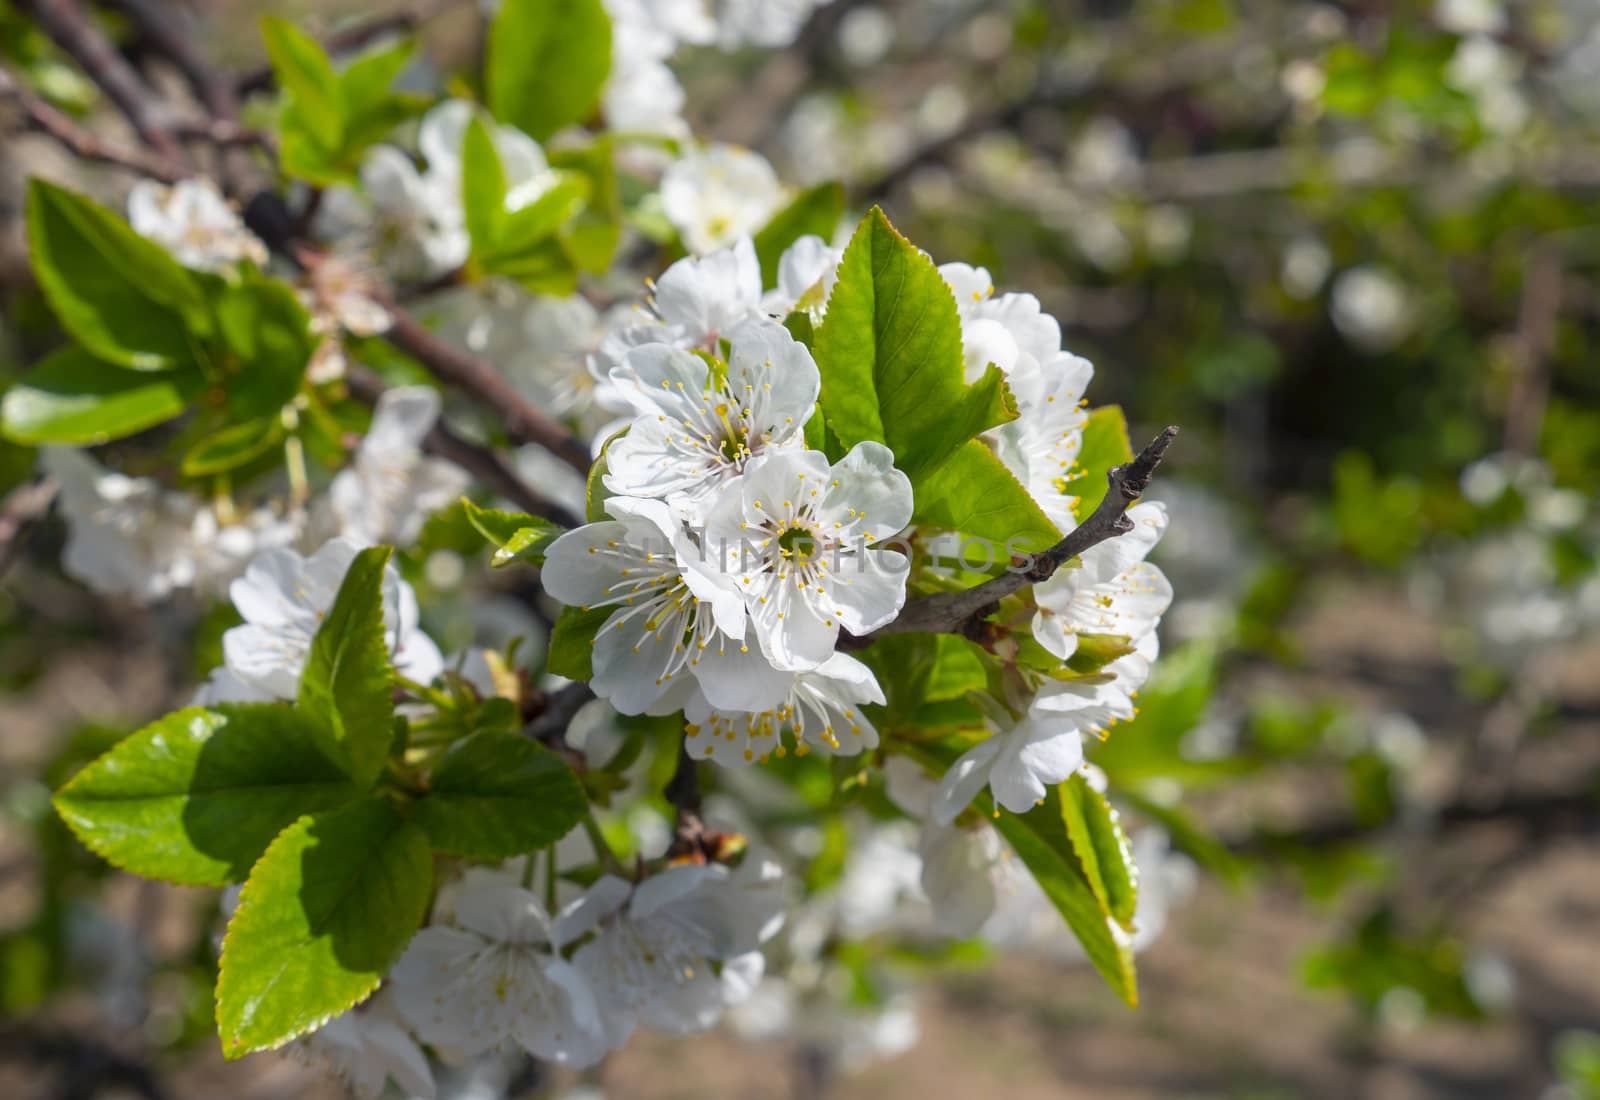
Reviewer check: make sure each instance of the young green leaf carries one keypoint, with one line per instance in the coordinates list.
(572, 639)
(197, 796)
(497, 795)
(120, 296)
(325, 913)
(304, 71)
(483, 187)
(814, 212)
(972, 492)
(548, 60)
(1040, 839)
(592, 237)
(233, 446)
(1105, 444)
(268, 340)
(519, 536)
(890, 355)
(348, 681)
(72, 397)
(525, 229)
(1103, 849)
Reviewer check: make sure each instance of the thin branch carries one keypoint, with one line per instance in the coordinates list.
(560, 708)
(962, 612)
(160, 29)
(478, 378)
(19, 512)
(45, 119)
(489, 468)
(67, 25)
(355, 37)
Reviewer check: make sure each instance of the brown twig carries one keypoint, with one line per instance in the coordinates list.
(68, 27)
(45, 119)
(476, 377)
(560, 707)
(20, 510)
(961, 612)
(484, 464)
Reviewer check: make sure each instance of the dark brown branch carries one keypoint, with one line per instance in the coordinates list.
(961, 612)
(560, 707)
(355, 37)
(19, 513)
(47, 120)
(67, 25)
(477, 378)
(489, 468)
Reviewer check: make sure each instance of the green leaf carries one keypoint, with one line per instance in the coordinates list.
(483, 186)
(814, 212)
(120, 296)
(1105, 444)
(548, 60)
(303, 70)
(324, 914)
(1040, 839)
(572, 639)
(1150, 745)
(1103, 850)
(72, 397)
(1095, 651)
(348, 681)
(591, 239)
(233, 446)
(267, 334)
(197, 796)
(890, 355)
(974, 493)
(518, 535)
(497, 795)
(595, 493)
(364, 83)
(535, 223)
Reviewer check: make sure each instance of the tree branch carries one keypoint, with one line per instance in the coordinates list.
(560, 708)
(492, 471)
(45, 119)
(67, 26)
(962, 612)
(478, 378)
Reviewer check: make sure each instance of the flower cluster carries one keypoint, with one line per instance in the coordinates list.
(734, 556)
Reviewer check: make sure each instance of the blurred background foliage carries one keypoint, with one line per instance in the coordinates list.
(1351, 248)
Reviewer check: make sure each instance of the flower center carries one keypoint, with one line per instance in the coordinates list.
(798, 544)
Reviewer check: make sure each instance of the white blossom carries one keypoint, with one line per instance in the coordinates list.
(419, 222)
(1371, 308)
(1022, 758)
(718, 194)
(701, 299)
(492, 975)
(771, 24)
(1114, 590)
(797, 536)
(822, 710)
(132, 537)
(807, 271)
(695, 428)
(390, 488)
(367, 1048)
(674, 950)
(677, 624)
(283, 598)
(191, 220)
(641, 94)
